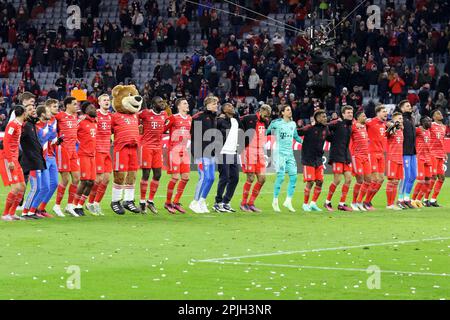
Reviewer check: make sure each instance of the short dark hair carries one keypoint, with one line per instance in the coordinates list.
(19, 110)
(358, 113)
(49, 102)
(318, 113)
(40, 110)
(68, 100)
(434, 111)
(283, 108)
(401, 103)
(423, 118)
(84, 106)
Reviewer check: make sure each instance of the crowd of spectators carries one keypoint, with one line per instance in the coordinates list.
(407, 58)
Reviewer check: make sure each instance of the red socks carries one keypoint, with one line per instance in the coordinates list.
(16, 203)
(364, 189)
(306, 193)
(356, 190)
(391, 193)
(180, 190)
(255, 193)
(154, 184)
(331, 191)
(9, 202)
(374, 188)
(60, 194)
(170, 188)
(246, 192)
(417, 190)
(144, 187)
(437, 188)
(93, 192)
(100, 192)
(72, 193)
(345, 189)
(317, 191)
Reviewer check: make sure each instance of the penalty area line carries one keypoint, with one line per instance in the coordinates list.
(329, 268)
(321, 249)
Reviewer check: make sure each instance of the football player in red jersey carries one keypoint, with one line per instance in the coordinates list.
(103, 159)
(67, 156)
(152, 122)
(376, 130)
(179, 126)
(87, 132)
(439, 156)
(253, 157)
(125, 127)
(394, 157)
(10, 168)
(424, 162)
(360, 161)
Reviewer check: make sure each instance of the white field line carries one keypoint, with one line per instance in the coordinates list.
(320, 249)
(328, 268)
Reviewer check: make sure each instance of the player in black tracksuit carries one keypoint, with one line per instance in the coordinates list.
(314, 137)
(340, 157)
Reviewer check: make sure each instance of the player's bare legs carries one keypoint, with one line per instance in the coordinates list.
(97, 192)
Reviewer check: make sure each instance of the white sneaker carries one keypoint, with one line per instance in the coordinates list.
(92, 209)
(70, 210)
(288, 204)
(354, 207)
(98, 209)
(394, 207)
(203, 206)
(275, 205)
(20, 208)
(7, 218)
(57, 211)
(361, 207)
(194, 206)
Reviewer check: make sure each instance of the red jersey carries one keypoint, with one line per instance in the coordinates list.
(437, 133)
(87, 132)
(376, 130)
(153, 124)
(68, 127)
(11, 140)
(103, 132)
(395, 147)
(179, 130)
(359, 140)
(126, 130)
(423, 144)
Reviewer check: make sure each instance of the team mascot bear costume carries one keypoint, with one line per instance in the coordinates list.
(127, 102)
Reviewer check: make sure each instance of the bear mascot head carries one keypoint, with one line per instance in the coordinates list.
(126, 99)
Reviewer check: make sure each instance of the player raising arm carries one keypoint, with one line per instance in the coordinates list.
(285, 130)
(394, 157)
(424, 162)
(312, 153)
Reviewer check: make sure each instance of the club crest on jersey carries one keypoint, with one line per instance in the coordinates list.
(104, 125)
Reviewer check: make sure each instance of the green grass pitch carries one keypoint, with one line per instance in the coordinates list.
(231, 256)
